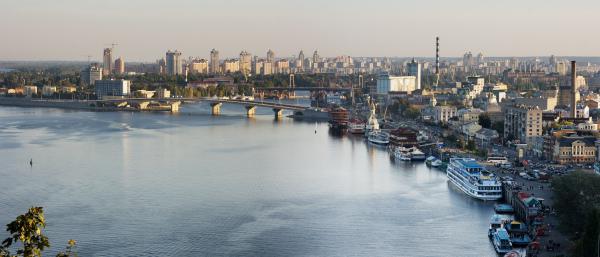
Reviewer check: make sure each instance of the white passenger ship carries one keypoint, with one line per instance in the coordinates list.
(473, 179)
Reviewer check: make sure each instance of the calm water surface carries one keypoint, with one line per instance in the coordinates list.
(146, 184)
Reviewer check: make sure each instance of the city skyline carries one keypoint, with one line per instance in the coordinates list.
(72, 30)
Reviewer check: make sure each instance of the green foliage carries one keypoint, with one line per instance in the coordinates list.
(412, 113)
(574, 195)
(26, 233)
(498, 126)
(27, 229)
(485, 121)
(588, 244)
(471, 145)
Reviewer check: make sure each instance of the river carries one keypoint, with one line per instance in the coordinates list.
(155, 184)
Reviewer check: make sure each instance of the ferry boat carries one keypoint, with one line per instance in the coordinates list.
(356, 126)
(501, 241)
(473, 179)
(378, 137)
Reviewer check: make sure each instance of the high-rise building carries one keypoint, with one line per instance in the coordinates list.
(119, 65)
(231, 66)
(199, 66)
(270, 56)
(108, 62)
(301, 55)
(90, 74)
(414, 69)
(173, 63)
(214, 61)
(245, 62)
(316, 57)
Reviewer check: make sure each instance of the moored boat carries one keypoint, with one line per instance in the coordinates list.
(402, 154)
(501, 241)
(473, 180)
(378, 137)
(518, 233)
(356, 126)
(339, 118)
(503, 208)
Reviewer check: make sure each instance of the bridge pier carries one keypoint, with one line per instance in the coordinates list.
(278, 113)
(215, 108)
(175, 106)
(250, 110)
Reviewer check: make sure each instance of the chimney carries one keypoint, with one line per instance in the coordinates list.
(573, 89)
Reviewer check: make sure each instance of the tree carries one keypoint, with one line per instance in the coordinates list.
(588, 244)
(27, 229)
(471, 145)
(574, 195)
(498, 126)
(485, 121)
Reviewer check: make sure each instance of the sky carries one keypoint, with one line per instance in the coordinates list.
(146, 29)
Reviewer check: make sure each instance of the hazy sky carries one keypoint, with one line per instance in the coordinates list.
(145, 29)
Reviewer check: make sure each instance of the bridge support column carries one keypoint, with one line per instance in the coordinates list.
(144, 105)
(250, 110)
(278, 113)
(175, 106)
(216, 108)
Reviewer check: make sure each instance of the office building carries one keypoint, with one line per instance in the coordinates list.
(214, 62)
(90, 74)
(112, 88)
(173, 63)
(108, 62)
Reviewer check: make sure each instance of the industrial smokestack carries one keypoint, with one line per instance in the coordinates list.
(437, 55)
(573, 89)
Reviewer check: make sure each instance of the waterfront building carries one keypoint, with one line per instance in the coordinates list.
(112, 88)
(199, 66)
(387, 83)
(90, 74)
(143, 93)
(48, 90)
(107, 62)
(28, 91)
(414, 69)
(119, 66)
(245, 62)
(214, 62)
(68, 89)
(173, 63)
(163, 93)
(522, 122)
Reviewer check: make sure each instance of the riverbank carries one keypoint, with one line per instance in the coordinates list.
(87, 105)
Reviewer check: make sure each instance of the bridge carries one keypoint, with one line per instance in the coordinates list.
(328, 89)
(215, 103)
